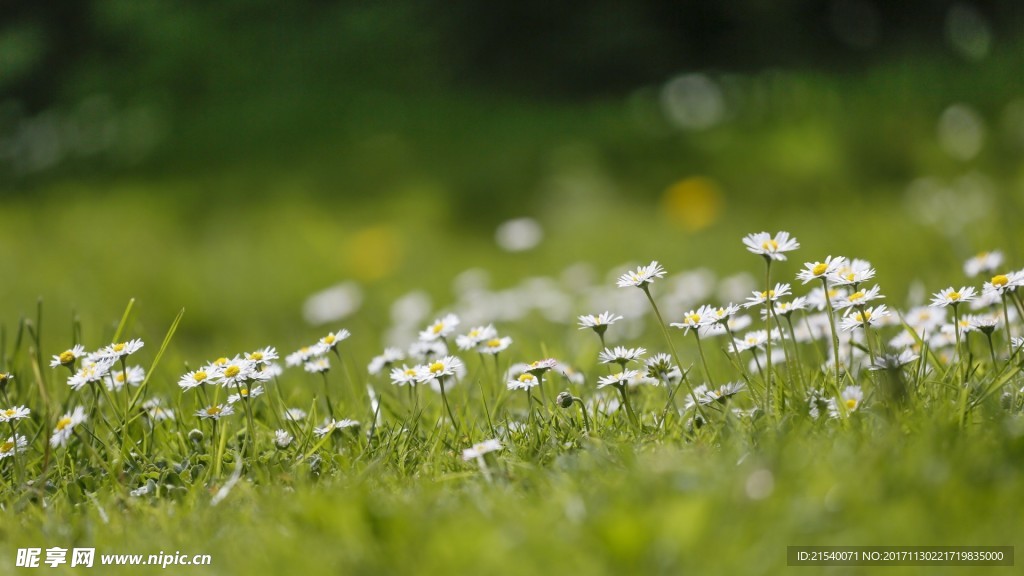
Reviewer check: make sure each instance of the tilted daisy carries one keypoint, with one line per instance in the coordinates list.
(858, 298)
(245, 393)
(760, 298)
(262, 356)
(330, 425)
(119, 350)
(13, 445)
(696, 319)
(755, 339)
(441, 328)
(475, 336)
(985, 262)
(821, 270)
(1003, 283)
(722, 320)
(621, 355)
(330, 342)
(282, 439)
(389, 357)
(952, 297)
(14, 414)
(598, 323)
(854, 272)
(317, 365)
(68, 357)
(196, 378)
(617, 379)
(66, 426)
(894, 361)
(215, 412)
(858, 319)
(405, 375)
(303, 355)
(643, 276)
(722, 393)
(478, 450)
(133, 376)
(851, 398)
(494, 345)
(439, 369)
(539, 367)
(525, 381)
(785, 309)
(771, 248)
(235, 372)
(90, 372)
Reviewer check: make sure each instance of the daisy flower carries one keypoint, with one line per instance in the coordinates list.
(621, 355)
(194, 378)
(294, 414)
(68, 357)
(661, 368)
(771, 248)
(405, 375)
(525, 381)
(424, 351)
(66, 426)
(331, 341)
(984, 323)
(317, 365)
(869, 317)
(133, 376)
(858, 298)
(785, 309)
(722, 393)
(495, 345)
(215, 412)
(539, 367)
(598, 323)
(90, 372)
(894, 361)
(925, 318)
(14, 414)
(643, 276)
(385, 360)
(478, 450)
(303, 355)
(439, 369)
(818, 270)
(816, 298)
(983, 262)
(13, 445)
(474, 337)
(440, 329)
(851, 398)
(773, 295)
(237, 372)
(331, 425)
(618, 379)
(282, 439)
(156, 411)
(1017, 342)
(753, 339)
(262, 356)
(245, 393)
(952, 297)
(119, 350)
(852, 273)
(695, 319)
(1002, 283)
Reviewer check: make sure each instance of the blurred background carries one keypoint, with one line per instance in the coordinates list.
(236, 158)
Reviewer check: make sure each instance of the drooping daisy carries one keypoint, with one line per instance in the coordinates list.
(194, 378)
(617, 379)
(440, 329)
(475, 336)
(282, 439)
(317, 365)
(245, 393)
(858, 298)
(495, 345)
(621, 355)
(385, 360)
(662, 368)
(643, 276)
(68, 357)
(598, 323)
(13, 445)
(478, 450)
(771, 248)
(330, 342)
(854, 272)
(439, 369)
(525, 381)
(120, 350)
(986, 262)
(14, 414)
(133, 376)
(952, 297)
(819, 270)
(330, 425)
(760, 298)
(405, 375)
(869, 317)
(215, 412)
(66, 426)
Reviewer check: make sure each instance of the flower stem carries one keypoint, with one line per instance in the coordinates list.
(672, 348)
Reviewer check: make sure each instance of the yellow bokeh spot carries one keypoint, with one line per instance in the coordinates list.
(693, 203)
(374, 252)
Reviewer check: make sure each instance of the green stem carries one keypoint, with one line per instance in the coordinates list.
(672, 348)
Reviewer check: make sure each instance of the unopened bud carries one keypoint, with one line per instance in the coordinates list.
(564, 400)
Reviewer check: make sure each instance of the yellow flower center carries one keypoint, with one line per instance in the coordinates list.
(850, 277)
(437, 367)
(7, 446)
(9, 413)
(410, 372)
(954, 296)
(120, 377)
(244, 392)
(232, 371)
(768, 294)
(1000, 280)
(770, 245)
(856, 295)
(436, 328)
(63, 423)
(199, 376)
(474, 333)
(819, 269)
(851, 403)
(222, 361)
(67, 357)
(832, 293)
(693, 318)
(119, 347)
(526, 377)
(329, 339)
(213, 410)
(256, 356)
(493, 343)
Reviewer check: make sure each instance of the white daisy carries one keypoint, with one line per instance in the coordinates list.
(894, 361)
(331, 341)
(194, 378)
(852, 273)
(984, 323)
(495, 345)
(818, 270)
(538, 367)
(68, 357)
(478, 450)
(1002, 283)
(282, 439)
(215, 412)
(303, 355)
(598, 323)
(851, 398)
(525, 381)
(925, 318)
(987, 262)
(617, 379)
(753, 339)
(423, 351)
(785, 309)
(439, 369)
(66, 426)
(294, 414)
(133, 376)
(760, 298)
(119, 350)
(869, 317)
(952, 297)
(441, 328)
(14, 414)
(643, 276)
(621, 355)
(773, 248)
(317, 365)
(858, 298)
(661, 368)
(156, 411)
(816, 297)
(385, 360)
(13, 445)
(474, 337)
(331, 425)
(405, 375)
(245, 393)
(696, 319)
(236, 372)
(90, 372)
(263, 355)
(722, 393)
